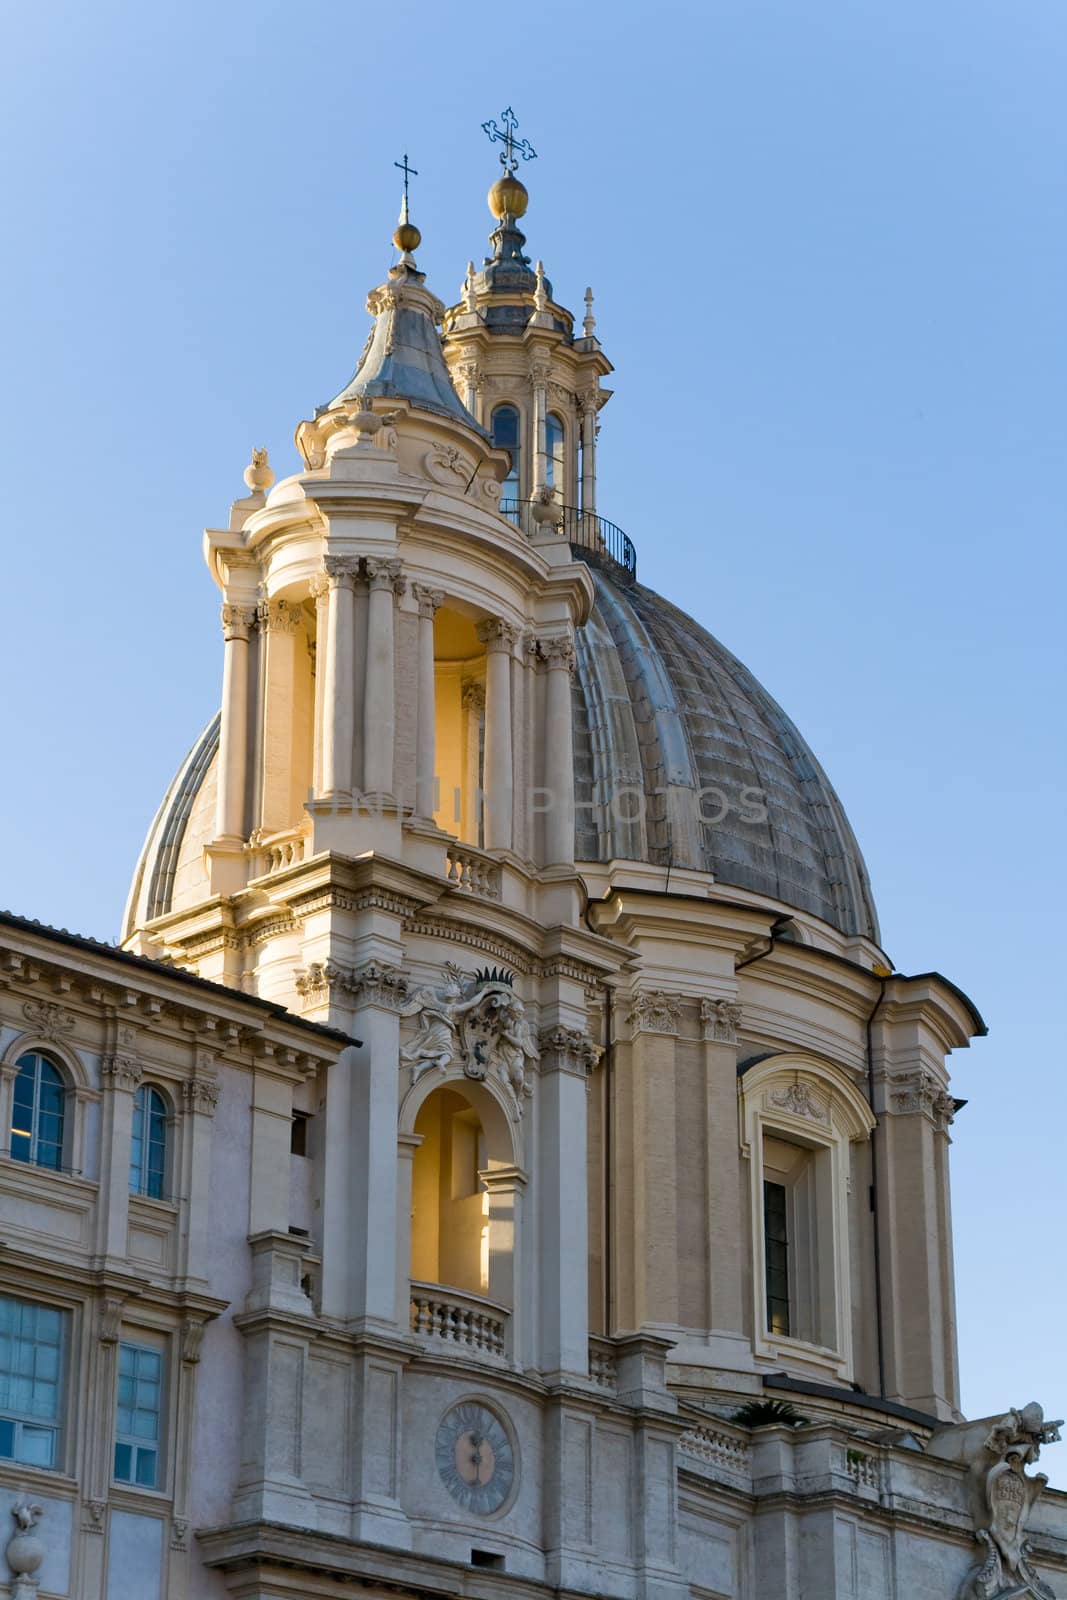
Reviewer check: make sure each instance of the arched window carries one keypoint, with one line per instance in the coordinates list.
(148, 1143)
(506, 437)
(38, 1113)
(554, 466)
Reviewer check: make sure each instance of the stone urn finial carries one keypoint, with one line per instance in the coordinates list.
(545, 509)
(258, 474)
(25, 1551)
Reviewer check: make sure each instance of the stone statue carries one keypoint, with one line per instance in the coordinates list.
(438, 1011)
(996, 1452)
(478, 1021)
(25, 1551)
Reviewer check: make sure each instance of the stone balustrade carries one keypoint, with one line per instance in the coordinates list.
(476, 1325)
(275, 851)
(717, 1445)
(473, 872)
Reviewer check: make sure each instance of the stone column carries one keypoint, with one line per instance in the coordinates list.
(429, 601)
(655, 1020)
(913, 1215)
(539, 381)
(337, 708)
(473, 694)
(588, 403)
(406, 1146)
(370, 1228)
(200, 1095)
(499, 639)
(231, 824)
(504, 1186)
(192, 1335)
(279, 623)
(120, 1074)
(567, 1057)
(558, 656)
(725, 1314)
(320, 593)
(379, 689)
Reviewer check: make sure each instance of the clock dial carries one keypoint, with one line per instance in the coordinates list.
(475, 1457)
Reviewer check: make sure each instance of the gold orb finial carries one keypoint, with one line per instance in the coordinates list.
(407, 237)
(508, 197)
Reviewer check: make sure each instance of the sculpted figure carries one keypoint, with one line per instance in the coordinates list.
(997, 1451)
(477, 1021)
(438, 1010)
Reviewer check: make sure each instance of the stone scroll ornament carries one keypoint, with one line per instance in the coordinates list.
(478, 1021)
(1002, 1494)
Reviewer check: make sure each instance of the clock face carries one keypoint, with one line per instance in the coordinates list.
(475, 1457)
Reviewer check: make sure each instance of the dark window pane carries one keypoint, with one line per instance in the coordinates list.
(124, 1463)
(776, 1253)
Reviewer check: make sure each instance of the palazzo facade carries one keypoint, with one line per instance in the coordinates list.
(501, 1159)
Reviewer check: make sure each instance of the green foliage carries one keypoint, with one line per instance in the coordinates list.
(769, 1414)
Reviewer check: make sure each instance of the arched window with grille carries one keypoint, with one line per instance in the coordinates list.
(148, 1143)
(506, 437)
(39, 1112)
(555, 472)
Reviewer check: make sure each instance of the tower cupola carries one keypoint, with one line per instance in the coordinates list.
(523, 370)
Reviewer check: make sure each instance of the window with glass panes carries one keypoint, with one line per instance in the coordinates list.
(38, 1112)
(554, 454)
(776, 1251)
(148, 1143)
(506, 437)
(32, 1341)
(138, 1416)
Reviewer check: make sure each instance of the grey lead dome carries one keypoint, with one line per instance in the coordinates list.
(683, 758)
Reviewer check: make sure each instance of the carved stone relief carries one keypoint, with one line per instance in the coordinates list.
(654, 1011)
(477, 1022)
(1002, 1495)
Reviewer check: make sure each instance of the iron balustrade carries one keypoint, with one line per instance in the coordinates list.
(584, 530)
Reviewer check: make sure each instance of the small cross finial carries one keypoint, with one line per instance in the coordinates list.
(409, 172)
(506, 136)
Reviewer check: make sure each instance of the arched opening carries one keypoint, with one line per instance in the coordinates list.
(555, 470)
(505, 431)
(449, 1200)
(459, 725)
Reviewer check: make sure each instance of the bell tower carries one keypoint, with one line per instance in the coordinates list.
(521, 370)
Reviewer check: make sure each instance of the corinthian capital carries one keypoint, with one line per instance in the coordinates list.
(496, 634)
(341, 572)
(319, 586)
(277, 616)
(557, 653)
(237, 622)
(121, 1071)
(385, 574)
(429, 600)
(719, 1020)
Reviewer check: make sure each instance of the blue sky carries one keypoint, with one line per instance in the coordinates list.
(828, 247)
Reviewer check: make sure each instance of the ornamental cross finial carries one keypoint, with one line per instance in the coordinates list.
(506, 136)
(409, 172)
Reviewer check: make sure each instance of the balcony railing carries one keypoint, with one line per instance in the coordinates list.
(584, 530)
(473, 872)
(459, 1319)
(275, 851)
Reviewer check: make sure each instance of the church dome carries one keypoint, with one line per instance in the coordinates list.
(682, 759)
(705, 768)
